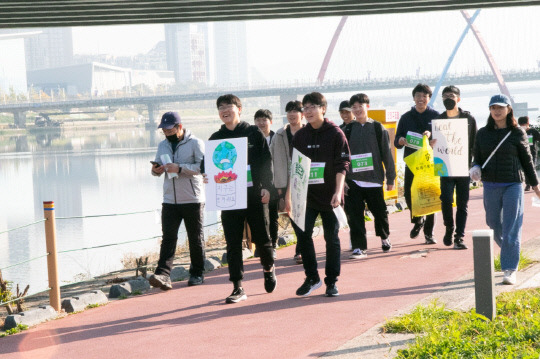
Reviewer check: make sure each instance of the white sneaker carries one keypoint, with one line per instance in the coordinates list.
(509, 277)
(358, 254)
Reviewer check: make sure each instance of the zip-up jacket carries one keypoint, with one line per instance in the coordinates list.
(512, 158)
(188, 186)
(259, 157)
(471, 128)
(363, 139)
(416, 122)
(281, 158)
(326, 144)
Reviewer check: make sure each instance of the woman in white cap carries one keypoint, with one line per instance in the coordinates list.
(501, 158)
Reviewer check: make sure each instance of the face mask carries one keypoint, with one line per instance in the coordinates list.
(172, 138)
(449, 103)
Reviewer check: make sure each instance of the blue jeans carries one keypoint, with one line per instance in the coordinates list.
(504, 215)
(333, 247)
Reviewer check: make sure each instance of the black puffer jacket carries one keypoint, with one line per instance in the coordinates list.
(511, 159)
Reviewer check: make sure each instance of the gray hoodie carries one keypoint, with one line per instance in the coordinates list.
(188, 186)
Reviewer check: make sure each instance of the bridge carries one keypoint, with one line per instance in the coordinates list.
(285, 90)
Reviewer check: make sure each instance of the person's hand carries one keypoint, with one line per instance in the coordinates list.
(402, 141)
(346, 189)
(427, 133)
(432, 143)
(172, 168)
(158, 169)
(389, 187)
(537, 191)
(336, 200)
(265, 196)
(476, 173)
(288, 206)
(205, 178)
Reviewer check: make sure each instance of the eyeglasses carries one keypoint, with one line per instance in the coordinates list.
(449, 95)
(311, 108)
(225, 107)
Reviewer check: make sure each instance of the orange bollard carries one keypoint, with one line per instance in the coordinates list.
(52, 258)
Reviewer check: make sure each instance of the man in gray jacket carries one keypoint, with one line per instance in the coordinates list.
(370, 149)
(180, 156)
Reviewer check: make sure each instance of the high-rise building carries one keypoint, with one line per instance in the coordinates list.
(52, 48)
(230, 44)
(187, 48)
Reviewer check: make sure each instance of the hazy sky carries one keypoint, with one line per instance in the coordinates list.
(382, 45)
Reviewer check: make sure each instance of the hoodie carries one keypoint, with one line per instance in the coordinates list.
(416, 122)
(326, 144)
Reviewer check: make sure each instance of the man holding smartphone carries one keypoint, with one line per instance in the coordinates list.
(180, 156)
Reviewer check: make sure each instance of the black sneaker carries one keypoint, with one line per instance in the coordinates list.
(430, 239)
(195, 280)
(386, 245)
(270, 280)
(331, 290)
(236, 296)
(458, 243)
(309, 286)
(416, 229)
(447, 239)
(161, 281)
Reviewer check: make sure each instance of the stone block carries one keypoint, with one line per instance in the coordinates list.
(211, 263)
(285, 240)
(179, 273)
(30, 317)
(79, 303)
(129, 287)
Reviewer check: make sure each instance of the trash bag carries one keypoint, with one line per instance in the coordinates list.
(426, 187)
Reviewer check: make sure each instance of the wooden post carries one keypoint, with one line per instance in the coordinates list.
(484, 281)
(52, 260)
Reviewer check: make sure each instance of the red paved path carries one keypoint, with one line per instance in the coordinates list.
(195, 323)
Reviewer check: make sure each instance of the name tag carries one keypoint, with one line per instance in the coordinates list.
(316, 173)
(362, 162)
(414, 140)
(249, 179)
(530, 137)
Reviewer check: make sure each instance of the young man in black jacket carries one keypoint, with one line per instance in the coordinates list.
(417, 122)
(534, 137)
(258, 195)
(451, 97)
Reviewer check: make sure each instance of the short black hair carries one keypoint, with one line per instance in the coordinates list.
(293, 106)
(523, 120)
(315, 98)
(453, 89)
(361, 98)
(263, 113)
(229, 99)
(422, 88)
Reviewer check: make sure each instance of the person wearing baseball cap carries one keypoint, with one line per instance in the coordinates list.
(501, 159)
(179, 155)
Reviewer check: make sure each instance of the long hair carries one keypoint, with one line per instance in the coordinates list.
(510, 120)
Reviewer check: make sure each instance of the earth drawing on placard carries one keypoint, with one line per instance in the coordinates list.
(224, 156)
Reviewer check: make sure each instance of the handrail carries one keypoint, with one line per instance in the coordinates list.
(26, 225)
(107, 215)
(26, 261)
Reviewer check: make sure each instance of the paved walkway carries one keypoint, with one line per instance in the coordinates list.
(195, 322)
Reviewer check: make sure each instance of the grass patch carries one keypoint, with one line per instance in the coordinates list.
(514, 333)
(19, 328)
(524, 261)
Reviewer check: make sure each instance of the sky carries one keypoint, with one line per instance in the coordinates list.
(372, 45)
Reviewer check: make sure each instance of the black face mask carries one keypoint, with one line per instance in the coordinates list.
(449, 103)
(172, 138)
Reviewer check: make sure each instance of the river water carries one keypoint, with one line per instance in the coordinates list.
(85, 173)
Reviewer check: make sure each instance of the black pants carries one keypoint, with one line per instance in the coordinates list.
(461, 184)
(273, 220)
(256, 215)
(355, 204)
(333, 247)
(534, 163)
(430, 218)
(171, 218)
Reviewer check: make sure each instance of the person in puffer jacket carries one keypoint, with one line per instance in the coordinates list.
(180, 156)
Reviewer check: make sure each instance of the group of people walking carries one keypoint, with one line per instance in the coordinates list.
(357, 163)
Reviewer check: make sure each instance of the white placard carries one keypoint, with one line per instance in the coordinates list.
(300, 168)
(226, 168)
(451, 151)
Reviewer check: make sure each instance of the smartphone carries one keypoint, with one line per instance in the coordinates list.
(155, 163)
